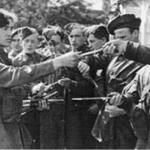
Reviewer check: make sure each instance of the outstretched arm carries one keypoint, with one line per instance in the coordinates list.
(12, 76)
(130, 50)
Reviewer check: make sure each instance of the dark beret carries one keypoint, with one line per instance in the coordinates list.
(3, 20)
(123, 21)
(99, 31)
(27, 31)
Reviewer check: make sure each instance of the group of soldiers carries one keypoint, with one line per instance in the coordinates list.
(100, 87)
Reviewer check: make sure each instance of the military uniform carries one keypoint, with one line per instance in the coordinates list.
(137, 95)
(117, 132)
(10, 136)
(69, 124)
(52, 120)
(120, 71)
(137, 53)
(31, 119)
(78, 118)
(27, 59)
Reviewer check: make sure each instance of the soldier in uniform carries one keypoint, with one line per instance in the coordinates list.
(28, 56)
(15, 44)
(10, 77)
(117, 131)
(135, 100)
(78, 115)
(29, 42)
(52, 120)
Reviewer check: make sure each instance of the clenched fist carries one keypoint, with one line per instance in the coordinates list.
(83, 68)
(69, 59)
(114, 111)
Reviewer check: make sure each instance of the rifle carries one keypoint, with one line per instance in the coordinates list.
(47, 94)
(104, 99)
(100, 51)
(33, 102)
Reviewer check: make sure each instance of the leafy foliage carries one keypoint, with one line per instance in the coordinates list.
(40, 13)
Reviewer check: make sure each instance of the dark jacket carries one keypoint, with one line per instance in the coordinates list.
(138, 53)
(27, 59)
(84, 86)
(31, 117)
(119, 72)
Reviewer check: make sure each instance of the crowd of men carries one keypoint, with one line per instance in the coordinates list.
(99, 88)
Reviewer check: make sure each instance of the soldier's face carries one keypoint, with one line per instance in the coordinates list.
(125, 34)
(76, 38)
(95, 43)
(5, 34)
(30, 43)
(15, 44)
(56, 39)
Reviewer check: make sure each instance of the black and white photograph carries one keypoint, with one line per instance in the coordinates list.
(75, 74)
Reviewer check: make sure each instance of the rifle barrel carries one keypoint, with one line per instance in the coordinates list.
(55, 100)
(50, 95)
(28, 102)
(89, 98)
(92, 52)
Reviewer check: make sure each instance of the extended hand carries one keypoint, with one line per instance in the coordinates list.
(69, 59)
(115, 47)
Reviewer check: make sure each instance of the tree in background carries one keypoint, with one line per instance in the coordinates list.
(40, 13)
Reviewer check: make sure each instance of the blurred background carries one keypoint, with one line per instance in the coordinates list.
(40, 13)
